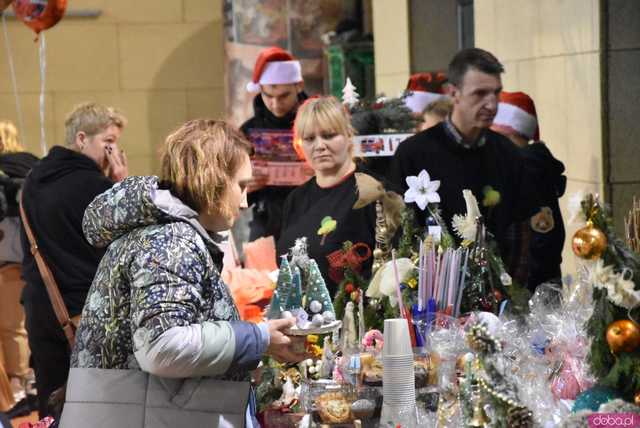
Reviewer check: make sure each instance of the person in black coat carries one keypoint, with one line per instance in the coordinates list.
(463, 153)
(278, 79)
(336, 194)
(536, 244)
(55, 196)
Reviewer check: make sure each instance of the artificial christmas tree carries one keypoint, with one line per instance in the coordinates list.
(317, 289)
(282, 291)
(294, 299)
(349, 95)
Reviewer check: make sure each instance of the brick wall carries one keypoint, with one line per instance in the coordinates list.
(160, 62)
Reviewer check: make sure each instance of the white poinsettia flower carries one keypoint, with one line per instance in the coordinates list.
(422, 190)
(574, 206)
(465, 226)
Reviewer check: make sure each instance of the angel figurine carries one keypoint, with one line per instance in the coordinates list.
(349, 332)
(327, 359)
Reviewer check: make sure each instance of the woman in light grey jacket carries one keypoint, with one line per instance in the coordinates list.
(160, 342)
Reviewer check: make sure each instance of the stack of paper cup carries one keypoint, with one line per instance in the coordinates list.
(398, 382)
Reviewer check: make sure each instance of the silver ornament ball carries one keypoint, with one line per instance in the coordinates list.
(328, 316)
(317, 320)
(315, 306)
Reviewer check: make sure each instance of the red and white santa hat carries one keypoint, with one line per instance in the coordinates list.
(423, 89)
(517, 111)
(274, 66)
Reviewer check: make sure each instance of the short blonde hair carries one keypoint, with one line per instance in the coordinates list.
(92, 119)
(9, 142)
(324, 113)
(198, 161)
(441, 107)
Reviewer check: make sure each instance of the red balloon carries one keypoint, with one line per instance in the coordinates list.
(40, 15)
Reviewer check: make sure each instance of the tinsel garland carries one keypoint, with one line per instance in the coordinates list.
(491, 373)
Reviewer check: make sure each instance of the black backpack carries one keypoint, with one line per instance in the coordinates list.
(9, 188)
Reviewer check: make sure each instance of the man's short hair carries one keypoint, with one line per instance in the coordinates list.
(475, 58)
(92, 119)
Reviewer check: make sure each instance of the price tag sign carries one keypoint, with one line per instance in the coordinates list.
(378, 145)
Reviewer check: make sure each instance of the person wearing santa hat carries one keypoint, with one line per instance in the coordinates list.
(463, 153)
(516, 118)
(536, 244)
(279, 88)
(425, 97)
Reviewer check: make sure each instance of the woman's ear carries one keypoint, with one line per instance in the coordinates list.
(80, 140)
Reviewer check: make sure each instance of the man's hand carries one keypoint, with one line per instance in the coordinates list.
(283, 348)
(117, 170)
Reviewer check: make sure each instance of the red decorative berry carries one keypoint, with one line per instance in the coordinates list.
(348, 288)
(486, 303)
(498, 295)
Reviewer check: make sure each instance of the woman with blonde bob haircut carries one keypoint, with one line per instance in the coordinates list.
(328, 114)
(323, 137)
(158, 319)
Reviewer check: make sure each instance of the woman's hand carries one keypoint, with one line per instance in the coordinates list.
(285, 349)
(117, 170)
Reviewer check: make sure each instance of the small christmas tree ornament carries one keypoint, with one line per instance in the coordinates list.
(623, 336)
(275, 307)
(589, 242)
(349, 95)
(281, 293)
(312, 308)
(294, 299)
(317, 288)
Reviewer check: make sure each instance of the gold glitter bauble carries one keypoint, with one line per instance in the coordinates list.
(623, 336)
(589, 242)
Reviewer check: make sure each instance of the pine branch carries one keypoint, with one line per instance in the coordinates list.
(625, 374)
